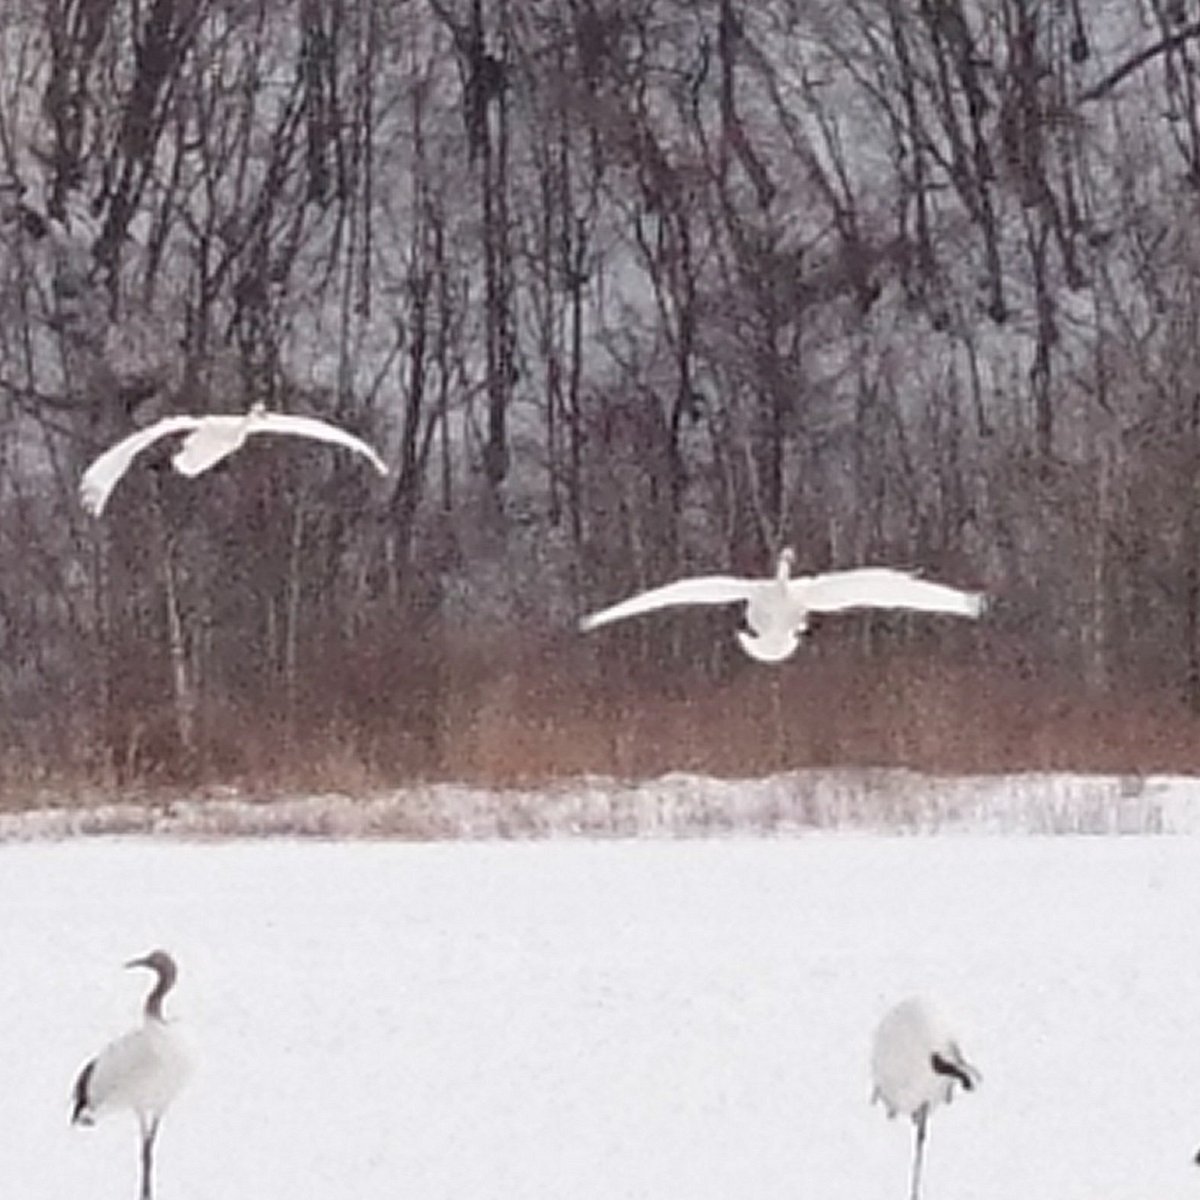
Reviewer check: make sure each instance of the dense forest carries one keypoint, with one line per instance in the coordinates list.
(622, 290)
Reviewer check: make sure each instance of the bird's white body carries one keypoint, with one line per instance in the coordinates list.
(910, 1039)
(141, 1072)
(915, 1064)
(210, 439)
(777, 608)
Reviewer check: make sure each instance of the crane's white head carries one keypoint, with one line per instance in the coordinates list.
(787, 560)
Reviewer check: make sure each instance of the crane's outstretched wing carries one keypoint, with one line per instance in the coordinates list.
(704, 589)
(883, 587)
(105, 472)
(323, 431)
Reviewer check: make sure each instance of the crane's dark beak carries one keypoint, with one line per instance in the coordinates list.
(138, 962)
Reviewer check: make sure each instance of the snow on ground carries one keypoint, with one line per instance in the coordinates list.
(674, 805)
(517, 1020)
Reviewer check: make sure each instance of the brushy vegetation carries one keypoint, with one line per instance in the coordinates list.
(524, 711)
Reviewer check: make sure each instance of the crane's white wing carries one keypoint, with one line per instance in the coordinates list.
(704, 589)
(142, 1070)
(883, 587)
(323, 431)
(102, 476)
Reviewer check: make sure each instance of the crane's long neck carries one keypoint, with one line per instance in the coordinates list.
(165, 982)
(946, 1065)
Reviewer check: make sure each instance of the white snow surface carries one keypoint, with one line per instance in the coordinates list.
(639, 1017)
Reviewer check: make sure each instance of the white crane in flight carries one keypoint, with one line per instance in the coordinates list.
(209, 440)
(777, 608)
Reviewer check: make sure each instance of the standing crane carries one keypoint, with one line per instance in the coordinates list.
(141, 1071)
(915, 1064)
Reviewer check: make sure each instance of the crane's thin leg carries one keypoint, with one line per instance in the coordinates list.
(919, 1120)
(149, 1132)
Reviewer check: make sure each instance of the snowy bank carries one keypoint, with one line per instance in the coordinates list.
(675, 805)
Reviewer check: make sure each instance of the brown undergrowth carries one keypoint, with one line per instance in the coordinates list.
(518, 710)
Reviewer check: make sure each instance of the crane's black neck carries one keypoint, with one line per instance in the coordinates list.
(166, 981)
(944, 1066)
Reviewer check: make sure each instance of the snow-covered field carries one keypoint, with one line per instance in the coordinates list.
(622, 1018)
